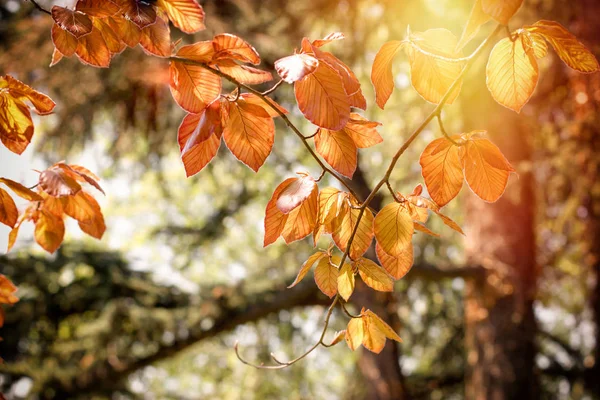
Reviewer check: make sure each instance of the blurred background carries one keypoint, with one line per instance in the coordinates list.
(153, 310)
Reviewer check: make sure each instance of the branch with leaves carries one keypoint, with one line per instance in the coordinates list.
(326, 91)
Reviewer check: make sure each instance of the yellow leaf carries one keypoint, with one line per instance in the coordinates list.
(338, 149)
(16, 126)
(432, 67)
(382, 326)
(355, 333)
(339, 336)
(512, 73)
(381, 74)
(501, 10)
(345, 281)
(422, 228)
(186, 15)
(477, 18)
(394, 228)
(569, 49)
(399, 266)
(374, 338)
(374, 276)
(326, 277)
(343, 226)
(307, 266)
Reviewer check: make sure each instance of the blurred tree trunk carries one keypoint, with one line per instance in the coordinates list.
(500, 324)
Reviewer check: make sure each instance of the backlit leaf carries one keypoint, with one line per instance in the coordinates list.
(193, 87)
(362, 131)
(49, 231)
(442, 170)
(8, 209)
(432, 70)
(354, 333)
(141, 13)
(92, 49)
(76, 23)
(274, 219)
(393, 228)
(512, 73)
(399, 266)
(477, 18)
(229, 46)
(18, 90)
(338, 149)
(250, 137)
(569, 49)
(16, 126)
(326, 277)
(113, 42)
(328, 39)
(94, 226)
(345, 281)
(296, 193)
(295, 67)
(374, 339)
(20, 190)
(187, 15)
(343, 226)
(322, 98)
(382, 326)
(199, 51)
(126, 30)
(156, 39)
(374, 276)
(245, 74)
(381, 74)
(302, 220)
(97, 8)
(7, 291)
(57, 183)
(307, 266)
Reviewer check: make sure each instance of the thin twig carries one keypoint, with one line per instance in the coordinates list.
(436, 111)
(283, 364)
(274, 88)
(343, 305)
(312, 136)
(389, 186)
(42, 9)
(320, 176)
(33, 187)
(441, 123)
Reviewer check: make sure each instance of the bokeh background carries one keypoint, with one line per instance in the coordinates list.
(153, 310)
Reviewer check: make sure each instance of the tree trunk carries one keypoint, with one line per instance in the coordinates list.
(500, 324)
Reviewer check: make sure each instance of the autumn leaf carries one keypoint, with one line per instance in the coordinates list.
(355, 333)
(322, 98)
(141, 13)
(93, 50)
(433, 69)
(228, 46)
(92, 220)
(373, 275)
(49, 231)
(343, 226)
(296, 193)
(345, 281)
(199, 137)
(486, 169)
(244, 73)
(501, 10)
(442, 170)
(477, 17)
(58, 183)
(156, 39)
(295, 67)
(7, 291)
(20, 91)
(331, 204)
(8, 209)
(381, 73)
(382, 326)
(97, 8)
(126, 30)
(307, 266)
(334, 36)
(187, 15)
(20, 190)
(249, 133)
(394, 228)
(76, 23)
(512, 73)
(362, 131)
(113, 42)
(570, 50)
(398, 266)
(326, 275)
(193, 87)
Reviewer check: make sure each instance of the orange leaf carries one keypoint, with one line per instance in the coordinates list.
(111, 38)
(346, 281)
(92, 49)
(7, 290)
(399, 266)
(569, 49)
(326, 277)
(16, 126)
(381, 74)
(307, 266)
(187, 15)
(501, 10)
(362, 131)
(328, 39)
(302, 220)
(49, 231)
(485, 168)
(343, 226)
(449, 222)
(21, 191)
(374, 339)
(156, 39)
(58, 183)
(295, 67)
(442, 170)
(199, 51)
(56, 57)
(140, 13)
(338, 149)
(244, 73)
(63, 41)
(97, 8)
(432, 70)
(296, 193)
(228, 46)
(249, 136)
(332, 203)
(322, 98)
(8, 209)
(477, 18)
(373, 275)
(93, 223)
(382, 326)
(394, 228)
(355, 333)
(42, 103)
(82, 174)
(126, 30)
(512, 73)
(251, 98)
(76, 23)
(274, 219)
(193, 87)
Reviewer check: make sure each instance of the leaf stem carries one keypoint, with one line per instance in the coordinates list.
(441, 123)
